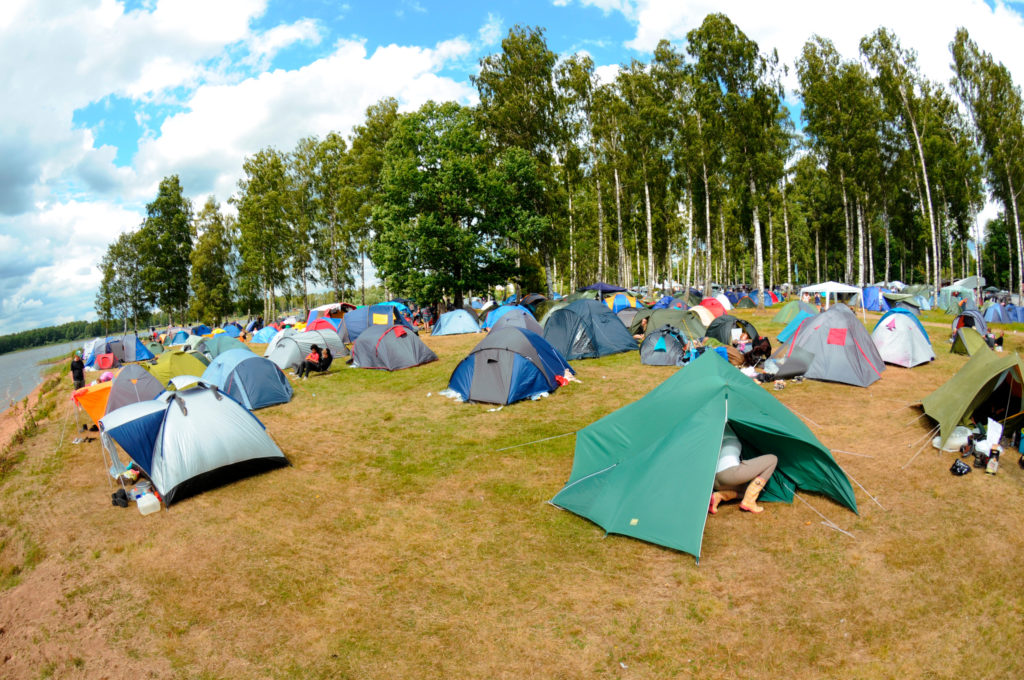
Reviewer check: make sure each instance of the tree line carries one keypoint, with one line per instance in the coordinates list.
(686, 167)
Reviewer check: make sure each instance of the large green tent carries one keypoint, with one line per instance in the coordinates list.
(683, 319)
(988, 386)
(171, 364)
(647, 469)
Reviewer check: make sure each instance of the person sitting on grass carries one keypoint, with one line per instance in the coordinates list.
(733, 474)
(325, 360)
(311, 363)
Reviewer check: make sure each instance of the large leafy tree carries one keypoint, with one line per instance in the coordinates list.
(212, 265)
(756, 141)
(166, 246)
(518, 109)
(997, 110)
(369, 141)
(122, 292)
(435, 236)
(263, 227)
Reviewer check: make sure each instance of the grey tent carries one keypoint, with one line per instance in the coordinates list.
(254, 381)
(722, 327)
(843, 351)
(626, 315)
(665, 346)
(391, 348)
(218, 344)
(188, 440)
(509, 365)
(587, 329)
(132, 384)
(519, 319)
(291, 350)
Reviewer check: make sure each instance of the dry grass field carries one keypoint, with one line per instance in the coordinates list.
(403, 542)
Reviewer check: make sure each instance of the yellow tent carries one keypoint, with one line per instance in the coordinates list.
(171, 364)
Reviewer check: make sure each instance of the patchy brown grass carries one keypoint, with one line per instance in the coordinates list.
(402, 544)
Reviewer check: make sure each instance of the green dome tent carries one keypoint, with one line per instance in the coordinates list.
(789, 311)
(967, 341)
(647, 470)
(988, 386)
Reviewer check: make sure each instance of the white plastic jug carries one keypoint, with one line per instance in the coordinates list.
(148, 504)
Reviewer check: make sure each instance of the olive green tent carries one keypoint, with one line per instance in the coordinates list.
(968, 341)
(171, 364)
(683, 319)
(647, 470)
(789, 311)
(988, 386)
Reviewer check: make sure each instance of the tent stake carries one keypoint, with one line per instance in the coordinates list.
(915, 420)
(516, 446)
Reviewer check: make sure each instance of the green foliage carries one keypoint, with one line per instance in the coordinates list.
(212, 265)
(165, 247)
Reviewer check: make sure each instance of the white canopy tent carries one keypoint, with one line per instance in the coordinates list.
(833, 289)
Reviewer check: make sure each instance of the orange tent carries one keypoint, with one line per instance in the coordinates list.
(93, 398)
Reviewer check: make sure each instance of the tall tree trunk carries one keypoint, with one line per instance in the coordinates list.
(721, 227)
(848, 271)
(600, 234)
(885, 225)
(650, 238)
(936, 250)
(707, 223)
(689, 245)
(572, 246)
(1016, 231)
(817, 255)
(785, 225)
(771, 250)
(362, 276)
(618, 214)
(860, 242)
(758, 252)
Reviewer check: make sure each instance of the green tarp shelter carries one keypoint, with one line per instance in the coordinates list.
(647, 469)
(988, 386)
(968, 341)
(789, 311)
(684, 319)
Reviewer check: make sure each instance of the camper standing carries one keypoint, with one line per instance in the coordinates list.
(78, 371)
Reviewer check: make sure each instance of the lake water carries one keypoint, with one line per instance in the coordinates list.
(20, 372)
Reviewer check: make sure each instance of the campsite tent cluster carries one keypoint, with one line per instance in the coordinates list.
(182, 409)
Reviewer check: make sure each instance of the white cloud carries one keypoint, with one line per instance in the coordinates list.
(48, 260)
(490, 33)
(263, 46)
(607, 74)
(224, 123)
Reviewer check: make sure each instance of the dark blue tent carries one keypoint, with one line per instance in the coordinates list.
(604, 288)
(251, 380)
(358, 320)
(732, 296)
(509, 365)
(586, 329)
(201, 329)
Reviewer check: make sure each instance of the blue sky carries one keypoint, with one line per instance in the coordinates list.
(104, 98)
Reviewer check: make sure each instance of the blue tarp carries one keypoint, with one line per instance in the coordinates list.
(873, 299)
(791, 327)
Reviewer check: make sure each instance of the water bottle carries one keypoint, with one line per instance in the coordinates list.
(148, 504)
(993, 461)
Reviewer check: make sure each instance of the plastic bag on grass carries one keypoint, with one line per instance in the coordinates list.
(956, 439)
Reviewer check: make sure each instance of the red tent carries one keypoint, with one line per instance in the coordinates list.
(713, 306)
(324, 323)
